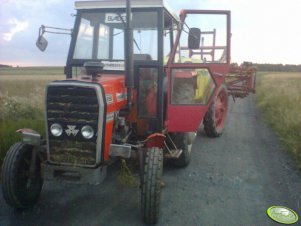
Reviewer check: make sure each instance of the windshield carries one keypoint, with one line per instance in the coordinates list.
(101, 36)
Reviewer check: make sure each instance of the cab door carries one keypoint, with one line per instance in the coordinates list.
(196, 73)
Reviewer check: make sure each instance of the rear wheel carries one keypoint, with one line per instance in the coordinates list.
(214, 120)
(21, 188)
(183, 141)
(151, 185)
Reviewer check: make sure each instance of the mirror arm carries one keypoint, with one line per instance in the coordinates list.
(41, 32)
(54, 30)
(42, 43)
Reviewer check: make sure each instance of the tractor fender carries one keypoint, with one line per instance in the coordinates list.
(155, 140)
(30, 136)
(34, 139)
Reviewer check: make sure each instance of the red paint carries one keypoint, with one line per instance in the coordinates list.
(113, 85)
(187, 118)
(221, 109)
(241, 80)
(155, 140)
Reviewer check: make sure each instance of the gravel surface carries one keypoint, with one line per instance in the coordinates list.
(231, 180)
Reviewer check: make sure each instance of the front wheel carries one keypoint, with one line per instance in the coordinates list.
(21, 188)
(214, 120)
(151, 185)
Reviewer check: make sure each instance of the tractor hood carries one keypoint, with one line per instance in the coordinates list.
(113, 85)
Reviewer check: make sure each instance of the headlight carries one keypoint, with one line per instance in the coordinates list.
(87, 132)
(56, 130)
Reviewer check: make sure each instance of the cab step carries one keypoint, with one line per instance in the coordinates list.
(173, 154)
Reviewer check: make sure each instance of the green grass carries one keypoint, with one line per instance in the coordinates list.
(25, 81)
(22, 101)
(279, 98)
(8, 135)
(20, 71)
(126, 177)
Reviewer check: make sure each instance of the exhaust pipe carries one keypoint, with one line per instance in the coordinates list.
(128, 54)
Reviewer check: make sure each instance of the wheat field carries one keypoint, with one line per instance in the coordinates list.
(22, 101)
(279, 98)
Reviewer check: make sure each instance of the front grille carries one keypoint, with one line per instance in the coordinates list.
(72, 107)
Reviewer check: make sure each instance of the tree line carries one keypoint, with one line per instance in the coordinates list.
(260, 67)
(278, 67)
(4, 65)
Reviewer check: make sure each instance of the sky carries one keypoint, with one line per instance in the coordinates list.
(263, 31)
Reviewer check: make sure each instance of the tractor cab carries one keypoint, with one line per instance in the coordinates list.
(179, 62)
(99, 35)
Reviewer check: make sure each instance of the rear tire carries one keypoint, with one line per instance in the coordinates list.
(184, 142)
(151, 185)
(19, 190)
(214, 120)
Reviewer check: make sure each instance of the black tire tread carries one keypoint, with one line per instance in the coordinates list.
(8, 178)
(181, 141)
(151, 185)
(209, 125)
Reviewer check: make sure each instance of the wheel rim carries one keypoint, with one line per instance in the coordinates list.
(220, 110)
(190, 141)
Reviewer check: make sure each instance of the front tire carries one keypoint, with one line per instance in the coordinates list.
(20, 189)
(151, 185)
(214, 120)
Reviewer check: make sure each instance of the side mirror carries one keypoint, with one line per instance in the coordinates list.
(194, 38)
(41, 43)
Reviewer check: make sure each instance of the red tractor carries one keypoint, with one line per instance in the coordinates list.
(139, 82)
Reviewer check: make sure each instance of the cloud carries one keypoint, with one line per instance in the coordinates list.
(262, 31)
(31, 4)
(16, 26)
(21, 50)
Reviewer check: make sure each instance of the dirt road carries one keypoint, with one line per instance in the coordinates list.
(231, 180)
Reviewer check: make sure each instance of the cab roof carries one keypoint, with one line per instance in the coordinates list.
(110, 4)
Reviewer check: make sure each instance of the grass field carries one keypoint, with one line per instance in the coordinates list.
(22, 82)
(22, 101)
(20, 71)
(279, 98)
